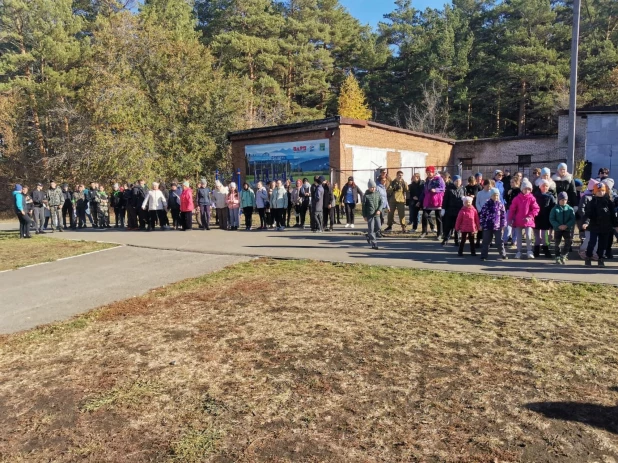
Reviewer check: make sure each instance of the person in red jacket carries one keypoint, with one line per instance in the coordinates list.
(186, 207)
(468, 224)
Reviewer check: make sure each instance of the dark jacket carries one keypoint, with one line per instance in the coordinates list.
(357, 192)
(203, 196)
(509, 196)
(328, 196)
(173, 200)
(453, 200)
(127, 196)
(546, 202)
(372, 203)
(138, 195)
(317, 198)
(116, 200)
(567, 184)
(600, 215)
(68, 196)
(472, 190)
(562, 215)
(415, 189)
(38, 198)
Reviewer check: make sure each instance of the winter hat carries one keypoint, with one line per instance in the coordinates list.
(371, 183)
(525, 184)
(431, 169)
(562, 165)
(600, 187)
(578, 183)
(591, 184)
(456, 177)
(563, 195)
(186, 184)
(494, 191)
(496, 172)
(232, 185)
(321, 179)
(468, 199)
(218, 184)
(478, 174)
(542, 181)
(545, 171)
(18, 187)
(609, 183)
(203, 181)
(350, 179)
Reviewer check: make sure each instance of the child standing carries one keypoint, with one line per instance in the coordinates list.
(372, 207)
(493, 221)
(468, 225)
(546, 202)
(599, 220)
(562, 218)
(521, 216)
(233, 203)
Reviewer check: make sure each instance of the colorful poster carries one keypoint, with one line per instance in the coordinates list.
(282, 161)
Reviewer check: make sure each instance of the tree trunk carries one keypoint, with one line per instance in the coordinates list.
(498, 108)
(521, 122)
(35, 116)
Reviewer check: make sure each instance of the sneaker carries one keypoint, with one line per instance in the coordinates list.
(375, 246)
(503, 258)
(530, 255)
(347, 225)
(582, 254)
(601, 263)
(558, 261)
(588, 262)
(423, 235)
(387, 229)
(518, 255)
(484, 259)
(352, 226)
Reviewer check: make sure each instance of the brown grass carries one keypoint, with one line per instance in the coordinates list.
(15, 253)
(298, 361)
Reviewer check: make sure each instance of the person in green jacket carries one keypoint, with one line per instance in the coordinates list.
(372, 209)
(562, 219)
(247, 203)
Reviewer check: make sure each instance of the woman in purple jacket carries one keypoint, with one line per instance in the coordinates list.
(433, 194)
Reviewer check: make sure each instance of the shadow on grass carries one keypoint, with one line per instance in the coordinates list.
(598, 416)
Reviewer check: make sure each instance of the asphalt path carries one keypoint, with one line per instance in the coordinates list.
(55, 291)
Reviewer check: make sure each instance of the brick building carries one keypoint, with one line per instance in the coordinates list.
(351, 147)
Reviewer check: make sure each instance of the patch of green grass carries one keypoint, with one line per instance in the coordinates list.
(16, 253)
(195, 445)
(127, 394)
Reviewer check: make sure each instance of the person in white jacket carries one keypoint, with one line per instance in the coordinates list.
(220, 197)
(157, 207)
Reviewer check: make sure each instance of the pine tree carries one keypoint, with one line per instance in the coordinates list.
(352, 102)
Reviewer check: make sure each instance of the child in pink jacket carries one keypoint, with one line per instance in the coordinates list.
(468, 224)
(524, 209)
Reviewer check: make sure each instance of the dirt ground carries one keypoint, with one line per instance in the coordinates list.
(16, 253)
(296, 361)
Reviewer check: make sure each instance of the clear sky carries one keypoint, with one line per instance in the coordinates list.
(371, 11)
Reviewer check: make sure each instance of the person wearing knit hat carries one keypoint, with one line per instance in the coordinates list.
(493, 221)
(204, 204)
(542, 225)
(545, 175)
(233, 205)
(452, 204)
(350, 193)
(432, 197)
(467, 224)
(521, 217)
(562, 219)
(600, 218)
(566, 183)
(372, 209)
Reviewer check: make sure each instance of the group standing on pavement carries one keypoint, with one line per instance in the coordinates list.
(505, 211)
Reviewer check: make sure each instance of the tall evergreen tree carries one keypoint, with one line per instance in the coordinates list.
(352, 101)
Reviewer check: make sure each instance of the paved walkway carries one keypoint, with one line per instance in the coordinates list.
(345, 245)
(55, 291)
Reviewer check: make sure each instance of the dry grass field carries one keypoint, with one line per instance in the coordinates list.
(296, 361)
(16, 253)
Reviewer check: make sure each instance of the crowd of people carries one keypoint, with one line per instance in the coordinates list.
(504, 211)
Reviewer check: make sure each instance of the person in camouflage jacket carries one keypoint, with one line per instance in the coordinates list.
(80, 203)
(55, 200)
(103, 207)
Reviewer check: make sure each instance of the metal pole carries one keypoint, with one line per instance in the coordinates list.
(573, 89)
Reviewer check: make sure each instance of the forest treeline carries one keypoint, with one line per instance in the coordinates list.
(111, 90)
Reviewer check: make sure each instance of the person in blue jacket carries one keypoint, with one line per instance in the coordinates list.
(19, 204)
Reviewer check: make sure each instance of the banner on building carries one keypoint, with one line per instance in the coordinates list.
(283, 161)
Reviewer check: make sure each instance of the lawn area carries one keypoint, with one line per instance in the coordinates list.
(15, 253)
(296, 361)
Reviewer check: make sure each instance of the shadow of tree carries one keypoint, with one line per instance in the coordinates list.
(599, 416)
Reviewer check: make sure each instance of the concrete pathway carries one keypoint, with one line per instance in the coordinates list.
(46, 293)
(345, 246)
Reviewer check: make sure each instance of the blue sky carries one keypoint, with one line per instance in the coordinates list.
(371, 11)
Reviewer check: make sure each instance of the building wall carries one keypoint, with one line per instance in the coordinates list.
(439, 152)
(498, 152)
(602, 141)
(581, 128)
